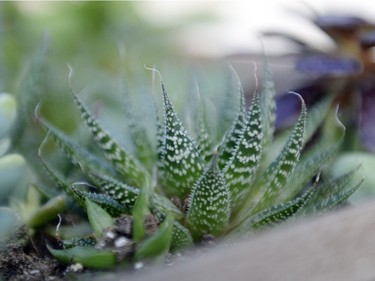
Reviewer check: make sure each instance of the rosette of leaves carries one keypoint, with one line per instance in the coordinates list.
(196, 187)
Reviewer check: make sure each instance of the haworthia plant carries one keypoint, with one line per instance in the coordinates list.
(200, 189)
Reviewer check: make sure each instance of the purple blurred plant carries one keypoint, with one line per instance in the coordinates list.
(348, 72)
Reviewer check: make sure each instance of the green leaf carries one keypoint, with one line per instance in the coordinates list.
(138, 133)
(234, 134)
(267, 189)
(134, 174)
(140, 210)
(181, 237)
(204, 141)
(106, 202)
(314, 158)
(32, 85)
(76, 153)
(350, 160)
(275, 214)
(126, 195)
(87, 256)
(332, 194)
(59, 181)
(122, 193)
(182, 163)
(317, 114)
(48, 211)
(209, 203)
(267, 104)
(159, 243)
(79, 242)
(240, 170)
(98, 217)
(161, 206)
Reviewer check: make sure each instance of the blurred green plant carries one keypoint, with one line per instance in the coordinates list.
(176, 191)
(12, 168)
(347, 72)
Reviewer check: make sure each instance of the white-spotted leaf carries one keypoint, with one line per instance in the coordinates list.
(209, 203)
(124, 162)
(241, 169)
(182, 164)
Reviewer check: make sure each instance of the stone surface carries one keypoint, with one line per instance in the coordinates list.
(337, 246)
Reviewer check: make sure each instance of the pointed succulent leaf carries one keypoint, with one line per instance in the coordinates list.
(181, 237)
(47, 211)
(122, 193)
(99, 219)
(106, 202)
(75, 242)
(332, 194)
(126, 195)
(267, 104)
(209, 203)
(234, 134)
(240, 170)
(140, 211)
(314, 158)
(204, 141)
(267, 189)
(159, 243)
(275, 214)
(160, 143)
(30, 92)
(182, 163)
(56, 178)
(317, 115)
(229, 106)
(75, 153)
(161, 206)
(87, 256)
(124, 162)
(138, 133)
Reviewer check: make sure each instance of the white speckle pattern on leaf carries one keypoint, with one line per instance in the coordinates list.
(182, 165)
(276, 175)
(234, 134)
(125, 163)
(209, 203)
(240, 170)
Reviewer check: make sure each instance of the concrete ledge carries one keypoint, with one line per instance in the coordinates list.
(336, 246)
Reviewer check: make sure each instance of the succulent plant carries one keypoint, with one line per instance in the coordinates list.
(195, 188)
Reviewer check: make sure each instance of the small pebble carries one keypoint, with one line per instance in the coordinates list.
(110, 235)
(121, 242)
(138, 265)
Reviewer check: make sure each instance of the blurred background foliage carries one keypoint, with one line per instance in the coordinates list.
(108, 45)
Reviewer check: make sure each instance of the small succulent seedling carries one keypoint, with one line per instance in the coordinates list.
(196, 188)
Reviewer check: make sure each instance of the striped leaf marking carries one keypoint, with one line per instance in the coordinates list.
(105, 201)
(266, 190)
(75, 153)
(316, 155)
(276, 213)
(122, 193)
(332, 194)
(240, 171)
(182, 163)
(234, 134)
(124, 162)
(127, 195)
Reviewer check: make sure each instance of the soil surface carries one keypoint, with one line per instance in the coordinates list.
(25, 258)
